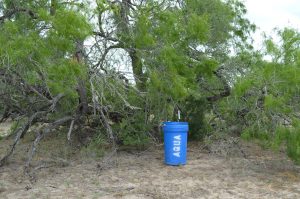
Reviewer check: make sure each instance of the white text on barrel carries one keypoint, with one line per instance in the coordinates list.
(176, 145)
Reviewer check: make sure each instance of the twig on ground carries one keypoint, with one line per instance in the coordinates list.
(70, 130)
(40, 136)
(20, 133)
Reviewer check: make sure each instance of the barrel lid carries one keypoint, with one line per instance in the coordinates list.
(175, 123)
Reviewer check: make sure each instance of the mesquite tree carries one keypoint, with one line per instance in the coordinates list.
(265, 100)
(59, 64)
(178, 50)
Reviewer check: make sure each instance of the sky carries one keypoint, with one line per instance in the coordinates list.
(268, 14)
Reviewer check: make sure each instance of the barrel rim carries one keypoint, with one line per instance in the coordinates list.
(175, 123)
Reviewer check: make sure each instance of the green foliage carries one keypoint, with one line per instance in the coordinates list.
(143, 38)
(164, 39)
(206, 67)
(134, 134)
(195, 109)
(283, 136)
(293, 146)
(265, 100)
(280, 137)
(70, 25)
(43, 46)
(219, 18)
(197, 27)
(272, 103)
(285, 51)
(97, 147)
(175, 51)
(255, 133)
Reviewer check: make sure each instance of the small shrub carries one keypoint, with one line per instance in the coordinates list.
(195, 109)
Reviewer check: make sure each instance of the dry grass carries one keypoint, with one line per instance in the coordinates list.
(263, 174)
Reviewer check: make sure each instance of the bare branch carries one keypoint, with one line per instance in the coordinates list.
(106, 51)
(101, 34)
(20, 133)
(41, 135)
(70, 130)
(10, 13)
(107, 126)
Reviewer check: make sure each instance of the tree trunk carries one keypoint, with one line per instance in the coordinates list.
(136, 62)
(137, 68)
(53, 7)
(81, 87)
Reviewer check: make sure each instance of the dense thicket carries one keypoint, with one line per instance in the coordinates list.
(116, 69)
(265, 100)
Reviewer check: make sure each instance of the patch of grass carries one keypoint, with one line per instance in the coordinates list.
(93, 150)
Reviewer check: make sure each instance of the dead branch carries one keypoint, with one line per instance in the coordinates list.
(44, 165)
(70, 130)
(15, 79)
(107, 126)
(101, 34)
(54, 102)
(41, 135)
(20, 133)
(127, 104)
(10, 13)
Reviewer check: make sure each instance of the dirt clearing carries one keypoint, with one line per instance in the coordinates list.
(262, 174)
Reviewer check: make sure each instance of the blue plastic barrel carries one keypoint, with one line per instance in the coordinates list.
(175, 142)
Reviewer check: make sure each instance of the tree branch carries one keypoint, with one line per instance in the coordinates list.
(101, 34)
(20, 133)
(70, 130)
(10, 13)
(40, 136)
(106, 51)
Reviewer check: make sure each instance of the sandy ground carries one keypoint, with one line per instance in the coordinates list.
(262, 174)
(4, 128)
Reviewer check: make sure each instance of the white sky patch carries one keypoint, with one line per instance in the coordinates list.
(269, 14)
